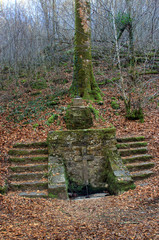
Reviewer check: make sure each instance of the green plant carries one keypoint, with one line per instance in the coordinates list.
(2, 109)
(36, 93)
(65, 81)
(68, 70)
(46, 175)
(114, 103)
(52, 102)
(39, 84)
(4, 189)
(35, 126)
(113, 98)
(122, 21)
(23, 81)
(136, 114)
(100, 73)
(52, 118)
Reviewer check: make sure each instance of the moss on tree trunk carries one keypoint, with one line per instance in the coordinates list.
(84, 83)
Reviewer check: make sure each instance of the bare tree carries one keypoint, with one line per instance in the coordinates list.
(42, 33)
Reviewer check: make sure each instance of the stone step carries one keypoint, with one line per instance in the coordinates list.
(30, 168)
(131, 145)
(35, 194)
(35, 185)
(131, 139)
(136, 158)
(141, 175)
(24, 152)
(31, 145)
(139, 165)
(132, 151)
(27, 160)
(28, 176)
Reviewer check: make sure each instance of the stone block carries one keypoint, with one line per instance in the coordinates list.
(77, 102)
(78, 118)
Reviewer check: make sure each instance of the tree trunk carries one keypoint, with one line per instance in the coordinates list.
(131, 43)
(84, 83)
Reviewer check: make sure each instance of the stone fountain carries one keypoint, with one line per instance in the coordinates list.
(84, 160)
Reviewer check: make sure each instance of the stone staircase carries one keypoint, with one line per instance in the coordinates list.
(29, 169)
(134, 153)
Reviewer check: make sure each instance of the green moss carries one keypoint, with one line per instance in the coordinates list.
(35, 185)
(130, 145)
(33, 168)
(32, 159)
(127, 152)
(4, 189)
(137, 158)
(15, 152)
(142, 175)
(30, 145)
(58, 192)
(140, 166)
(94, 111)
(50, 195)
(131, 139)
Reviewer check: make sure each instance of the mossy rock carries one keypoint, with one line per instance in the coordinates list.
(78, 118)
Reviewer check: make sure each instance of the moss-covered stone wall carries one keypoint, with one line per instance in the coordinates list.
(89, 157)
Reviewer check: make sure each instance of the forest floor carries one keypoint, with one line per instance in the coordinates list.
(24, 118)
